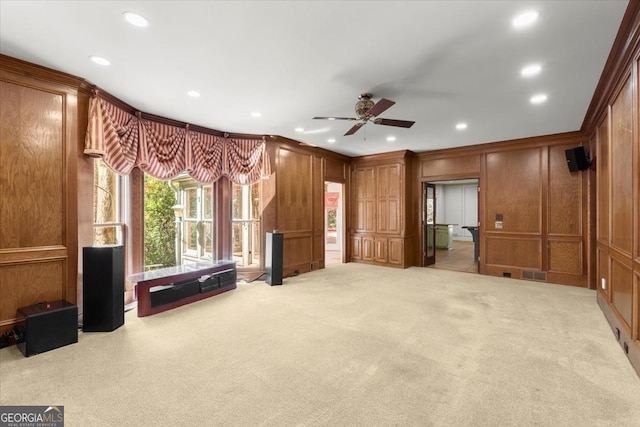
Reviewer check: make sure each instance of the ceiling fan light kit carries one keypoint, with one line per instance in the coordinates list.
(364, 105)
(367, 111)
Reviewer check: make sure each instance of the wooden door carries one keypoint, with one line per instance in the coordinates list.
(429, 223)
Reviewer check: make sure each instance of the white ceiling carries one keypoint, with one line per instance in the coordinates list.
(443, 62)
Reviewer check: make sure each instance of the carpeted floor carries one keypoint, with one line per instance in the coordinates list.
(350, 345)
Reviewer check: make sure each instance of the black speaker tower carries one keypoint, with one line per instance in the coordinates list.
(273, 258)
(577, 159)
(102, 288)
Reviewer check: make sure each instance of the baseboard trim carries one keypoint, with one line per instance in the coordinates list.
(633, 346)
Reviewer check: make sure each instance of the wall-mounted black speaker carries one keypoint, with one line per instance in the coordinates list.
(102, 288)
(273, 258)
(577, 159)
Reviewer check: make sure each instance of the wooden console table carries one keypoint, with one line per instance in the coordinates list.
(170, 287)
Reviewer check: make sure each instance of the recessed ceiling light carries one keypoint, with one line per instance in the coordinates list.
(391, 138)
(331, 140)
(299, 129)
(525, 19)
(461, 126)
(531, 70)
(256, 114)
(193, 94)
(135, 19)
(100, 60)
(538, 99)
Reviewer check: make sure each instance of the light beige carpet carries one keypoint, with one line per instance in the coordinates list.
(351, 345)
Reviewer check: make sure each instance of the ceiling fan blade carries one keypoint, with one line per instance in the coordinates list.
(380, 107)
(335, 118)
(392, 122)
(354, 129)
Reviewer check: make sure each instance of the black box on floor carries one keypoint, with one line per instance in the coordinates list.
(46, 326)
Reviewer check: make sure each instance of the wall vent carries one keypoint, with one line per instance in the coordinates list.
(537, 275)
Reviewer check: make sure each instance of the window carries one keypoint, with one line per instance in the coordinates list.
(207, 219)
(178, 221)
(198, 221)
(107, 206)
(245, 207)
(160, 224)
(191, 221)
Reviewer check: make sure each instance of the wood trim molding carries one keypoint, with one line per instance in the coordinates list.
(575, 137)
(28, 69)
(624, 46)
(379, 159)
(306, 148)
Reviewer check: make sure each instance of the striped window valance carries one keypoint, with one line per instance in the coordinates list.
(112, 134)
(205, 156)
(162, 150)
(126, 140)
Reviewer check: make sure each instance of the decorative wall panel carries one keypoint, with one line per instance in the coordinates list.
(622, 290)
(28, 283)
(564, 195)
(514, 252)
(297, 249)
(621, 177)
(294, 190)
(463, 165)
(602, 185)
(31, 168)
(565, 257)
(514, 190)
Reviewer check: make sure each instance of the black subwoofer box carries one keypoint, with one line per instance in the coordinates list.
(102, 288)
(46, 326)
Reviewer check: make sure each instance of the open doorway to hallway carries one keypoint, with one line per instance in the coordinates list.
(333, 223)
(456, 221)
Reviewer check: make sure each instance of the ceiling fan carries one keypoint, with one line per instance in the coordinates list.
(367, 111)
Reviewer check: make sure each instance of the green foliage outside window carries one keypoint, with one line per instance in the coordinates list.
(159, 225)
(332, 221)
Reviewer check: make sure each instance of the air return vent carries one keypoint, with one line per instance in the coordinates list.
(540, 276)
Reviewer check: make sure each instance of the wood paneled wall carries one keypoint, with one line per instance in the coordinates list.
(41, 129)
(618, 266)
(294, 200)
(613, 126)
(381, 230)
(533, 210)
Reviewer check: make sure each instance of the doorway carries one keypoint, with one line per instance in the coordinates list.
(450, 224)
(333, 223)
(429, 223)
